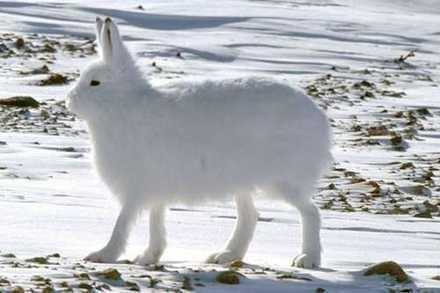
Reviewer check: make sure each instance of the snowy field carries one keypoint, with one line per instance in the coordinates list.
(380, 202)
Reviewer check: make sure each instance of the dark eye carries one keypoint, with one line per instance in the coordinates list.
(95, 83)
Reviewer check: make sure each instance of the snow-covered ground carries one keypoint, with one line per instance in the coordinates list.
(385, 115)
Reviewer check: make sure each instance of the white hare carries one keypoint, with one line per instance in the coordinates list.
(194, 141)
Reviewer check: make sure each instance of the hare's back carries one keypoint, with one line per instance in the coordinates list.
(250, 124)
(249, 109)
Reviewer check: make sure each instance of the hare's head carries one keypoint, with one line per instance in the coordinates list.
(112, 77)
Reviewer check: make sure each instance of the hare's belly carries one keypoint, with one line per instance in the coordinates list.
(178, 172)
(170, 171)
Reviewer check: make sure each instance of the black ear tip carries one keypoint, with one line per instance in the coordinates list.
(108, 20)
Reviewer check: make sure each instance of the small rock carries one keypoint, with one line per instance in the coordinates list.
(132, 286)
(396, 140)
(431, 207)
(368, 94)
(407, 165)
(349, 173)
(39, 259)
(377, 130)
(366, 83)
(397, 210)
(70, 47)
(48, 289)
(328, 205)
(153, 282)
(54, 79)
(3, 48)
(388, 267)
(357, 180)
(437, 278)
(425, 214)
(48, 49)
(17, 289)
(236, 264)
(186, 284)
(122, 261)
(103, 287)
(393, 94)
(40, 70)
(376, 191)
(228, 277)
(86, 286)
(110, 273)
(20, 101)
(156, 267)
(419, 190)
(331, 186)
(349, 208)
(398, 114)
(284, 276)
(356, 128)
(428, 175)
(57, 255)
(37, 278)
(19, 43)
(82, 276)
(423, 112)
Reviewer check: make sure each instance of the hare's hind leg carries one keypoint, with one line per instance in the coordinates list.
(310, 256)
(118, 241)
(157, 240)
(238, 243)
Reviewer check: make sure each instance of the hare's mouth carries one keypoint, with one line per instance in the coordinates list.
(69, 103)
(70, 100)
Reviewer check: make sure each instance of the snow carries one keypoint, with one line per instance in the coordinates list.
(52, 201)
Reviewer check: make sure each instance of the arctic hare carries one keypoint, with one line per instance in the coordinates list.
(193, 141)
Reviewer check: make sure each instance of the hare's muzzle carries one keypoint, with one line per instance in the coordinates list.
(71, 97)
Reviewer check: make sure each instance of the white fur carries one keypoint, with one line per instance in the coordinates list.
(193, 141)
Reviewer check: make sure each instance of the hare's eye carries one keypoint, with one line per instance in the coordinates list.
(95, 83)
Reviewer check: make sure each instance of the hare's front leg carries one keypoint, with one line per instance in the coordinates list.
(116, 245)
(157, 241)
(240, 239)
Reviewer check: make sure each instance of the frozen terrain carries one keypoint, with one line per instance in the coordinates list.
(380, 202)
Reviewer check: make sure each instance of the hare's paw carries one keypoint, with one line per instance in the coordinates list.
(223, 257)
(103, 256)
(148, 258)
(307, 261)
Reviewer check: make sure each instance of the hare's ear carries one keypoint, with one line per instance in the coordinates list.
(99, 25)
(106, 41)
(112, 47)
